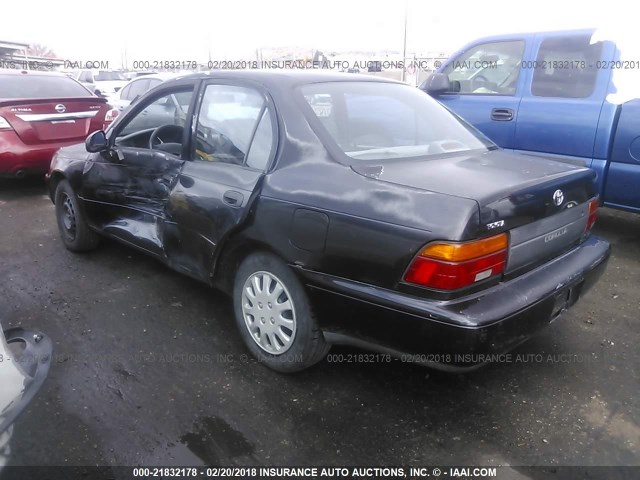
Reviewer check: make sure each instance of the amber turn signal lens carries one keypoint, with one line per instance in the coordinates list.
(461, 252)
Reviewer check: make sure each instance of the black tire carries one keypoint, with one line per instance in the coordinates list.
(76, 234)
(307, 345)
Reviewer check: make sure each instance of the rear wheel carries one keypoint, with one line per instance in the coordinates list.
(74, 230)
(274, 316)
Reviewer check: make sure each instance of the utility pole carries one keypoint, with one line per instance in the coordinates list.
(404, 46)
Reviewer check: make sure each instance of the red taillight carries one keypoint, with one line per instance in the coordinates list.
(450, 266)
(4, 125)
(111, 115)
(594, 203)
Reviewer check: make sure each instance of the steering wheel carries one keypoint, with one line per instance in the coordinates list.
(169, 131)
(478, 82)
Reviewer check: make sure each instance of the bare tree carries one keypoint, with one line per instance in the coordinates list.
(41, 51)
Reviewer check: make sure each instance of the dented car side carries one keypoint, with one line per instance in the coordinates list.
(346, 230)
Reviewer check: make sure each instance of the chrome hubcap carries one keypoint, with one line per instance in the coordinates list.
(68, 216)
(268, 312)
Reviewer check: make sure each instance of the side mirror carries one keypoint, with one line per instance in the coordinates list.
(96, 142)
(436, 83)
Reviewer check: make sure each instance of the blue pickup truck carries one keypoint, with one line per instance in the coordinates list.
(554, 94)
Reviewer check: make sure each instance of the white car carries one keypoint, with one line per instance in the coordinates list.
(105, 83)
(136, 87)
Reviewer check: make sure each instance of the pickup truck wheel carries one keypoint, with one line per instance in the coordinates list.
(74, 230)
(274, 316)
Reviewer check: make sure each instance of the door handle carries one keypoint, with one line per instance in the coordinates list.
(232, 198)
(502, 114)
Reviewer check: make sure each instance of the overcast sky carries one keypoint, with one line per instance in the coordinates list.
(190, 29)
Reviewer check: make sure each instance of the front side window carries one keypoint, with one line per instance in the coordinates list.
(566, 67)
(490, 68)
(376, 121)
(159, 125)
(234, 126)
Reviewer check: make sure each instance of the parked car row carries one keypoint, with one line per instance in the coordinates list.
(41, 112)
(138, 86)
(104, 83)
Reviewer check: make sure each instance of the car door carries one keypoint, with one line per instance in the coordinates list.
(126, 188)
(485, 87)
(561, 105)
(233, 145)
(623, 176)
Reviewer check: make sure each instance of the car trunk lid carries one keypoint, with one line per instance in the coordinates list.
(543, 204)
(50, 120)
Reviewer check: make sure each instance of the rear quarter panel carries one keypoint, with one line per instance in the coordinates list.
(623, 176)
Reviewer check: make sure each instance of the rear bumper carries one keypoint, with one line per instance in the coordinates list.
(456, 333)
(16, 157)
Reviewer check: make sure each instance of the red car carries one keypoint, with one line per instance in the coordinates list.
(41, 112)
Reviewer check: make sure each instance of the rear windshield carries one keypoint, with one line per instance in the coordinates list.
(383, 121)
(40, 86)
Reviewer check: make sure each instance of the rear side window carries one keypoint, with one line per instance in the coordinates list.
(40, 86)
(137, 88)
(260, 149)
(487, 69)
(566, 67)
(234, 126)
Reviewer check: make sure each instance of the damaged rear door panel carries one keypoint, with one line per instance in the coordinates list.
(234, 142)
(209, 201)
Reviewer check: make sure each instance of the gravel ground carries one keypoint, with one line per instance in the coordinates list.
(149, 369)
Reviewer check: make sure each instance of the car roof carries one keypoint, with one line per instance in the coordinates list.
(160, 75)
(527, 35)
(283, 77)
(17, 71)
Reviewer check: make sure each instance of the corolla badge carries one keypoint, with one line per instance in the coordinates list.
(553, 235)
(60, 108)
(558, 197)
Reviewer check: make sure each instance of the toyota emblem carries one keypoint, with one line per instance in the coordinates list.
(60, 108)
(558, 197)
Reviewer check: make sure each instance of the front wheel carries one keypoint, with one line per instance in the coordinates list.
(76, 234)
(274, 316)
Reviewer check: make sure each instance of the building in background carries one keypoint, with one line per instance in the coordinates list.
(16, 55)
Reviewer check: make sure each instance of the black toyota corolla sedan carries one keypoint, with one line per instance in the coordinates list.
(337, 209)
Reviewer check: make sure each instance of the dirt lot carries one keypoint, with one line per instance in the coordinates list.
(149, 369)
